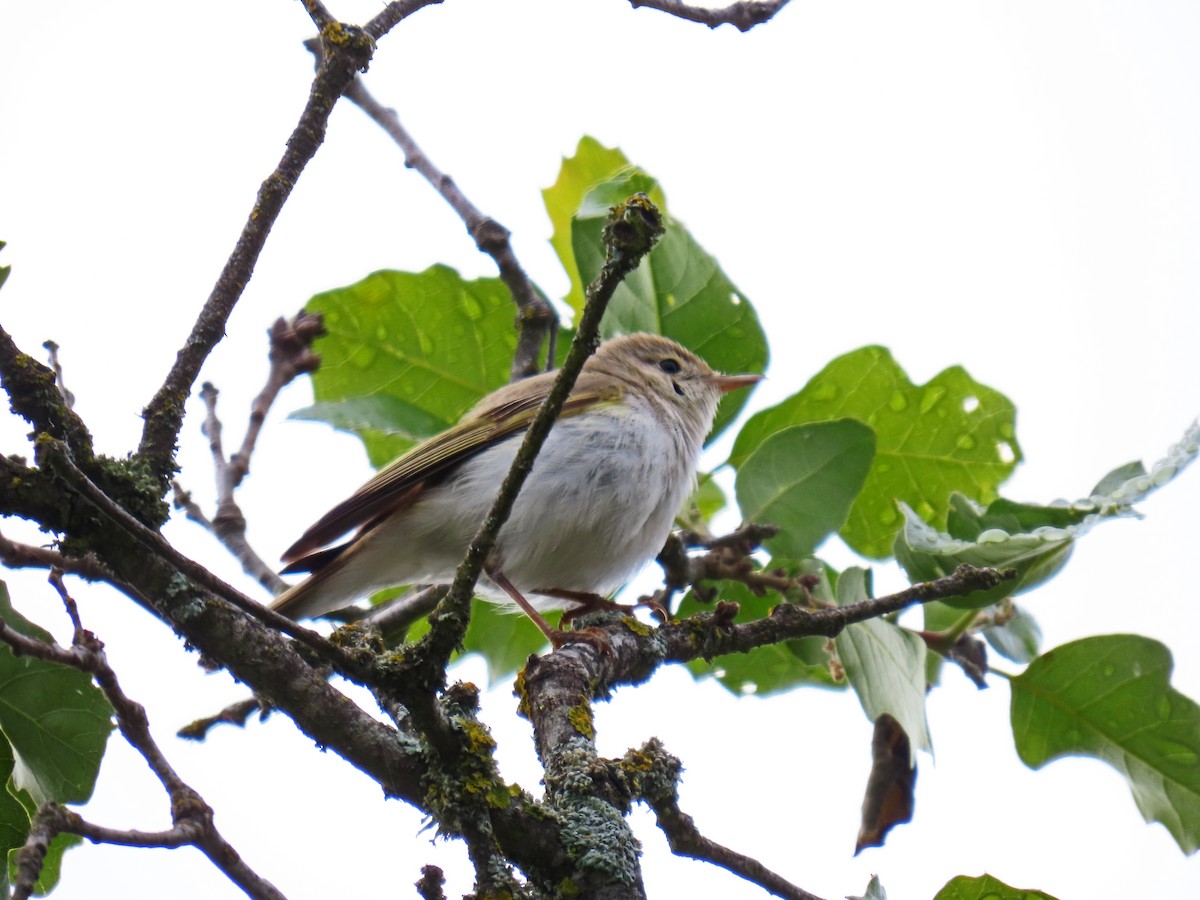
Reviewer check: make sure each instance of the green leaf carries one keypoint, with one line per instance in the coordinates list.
(926, 554)
(884, 663)
(381, 413)
(4, 270)
(764, 670)
(14, 819)
(1118, 476)
(1018, 639)
(591, 164)
(504, 639)
(678, 291)
(805, 479)
(952, 434)
(52, 862)
(985, 887)
(706, 501)
(1110, 697)
(55, 719)
(875, 891)
(1035, 540)
(425, 347)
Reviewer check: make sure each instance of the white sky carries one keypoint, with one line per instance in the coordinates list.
(1008, 186)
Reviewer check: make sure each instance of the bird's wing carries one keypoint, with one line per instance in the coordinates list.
(397, 485)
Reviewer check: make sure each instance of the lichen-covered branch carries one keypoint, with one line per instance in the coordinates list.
(34, 395)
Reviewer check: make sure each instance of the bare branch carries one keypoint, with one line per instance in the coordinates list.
(291, 354)
(68, 397)
(321, 17)
(348, 49)
(392, 14)
(191, 816)
(653, 774)
(742, 15)
(233, 714)
(26, 556)
(535, 316)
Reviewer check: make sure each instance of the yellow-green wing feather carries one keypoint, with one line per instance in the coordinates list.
(504, 413)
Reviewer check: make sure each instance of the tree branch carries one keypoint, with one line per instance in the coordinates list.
(34, 394)
(742, 15)
(55, 455)
(191, 816)
(291, 354)
(536, 318)
(347, 50)
(653, 776)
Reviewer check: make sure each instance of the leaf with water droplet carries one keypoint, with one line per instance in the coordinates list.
(409, 352)
(927, 445)
(805, 480)
(1103, 697)
(985, 887)
(925, 553)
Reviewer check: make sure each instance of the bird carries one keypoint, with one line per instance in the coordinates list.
(598, 504)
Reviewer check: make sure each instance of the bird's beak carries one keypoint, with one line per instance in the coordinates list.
(727, 383)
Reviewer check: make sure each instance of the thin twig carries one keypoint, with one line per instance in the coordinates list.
(68, 397)
(191, 816)
(652, 776)
(321, 16)
(742, 15)
(394, 13)
(536, 318)
(291, 354)
(26, 556)
(234, 714)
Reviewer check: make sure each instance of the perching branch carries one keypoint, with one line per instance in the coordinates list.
(742, 15)
(536, 318)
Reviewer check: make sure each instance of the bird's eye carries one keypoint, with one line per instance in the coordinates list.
(670, 366)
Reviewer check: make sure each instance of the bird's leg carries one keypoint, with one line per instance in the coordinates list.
(589, 602)
(586, 600)
(555, 636)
